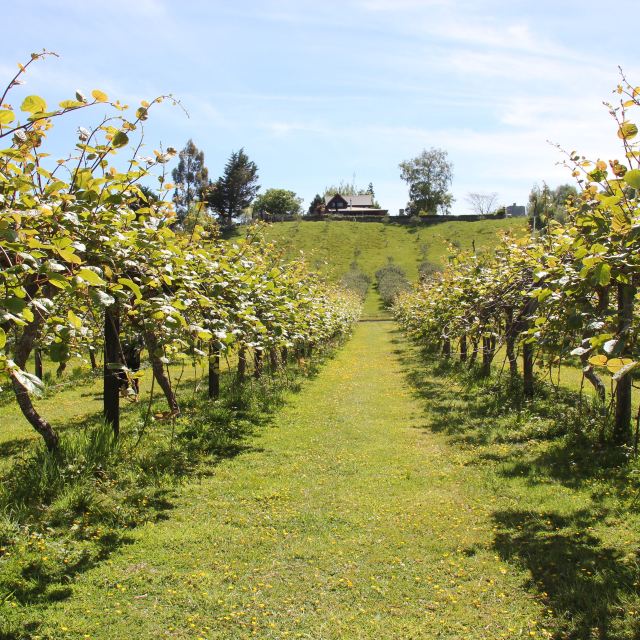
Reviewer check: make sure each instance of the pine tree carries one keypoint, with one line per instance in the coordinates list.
(235, 190)
(316, 204)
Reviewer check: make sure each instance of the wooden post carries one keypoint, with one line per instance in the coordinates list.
(446, 348)
(273, 360)
(463, 348)
(527, 369)
(214, 372)
(37, 356)
(242, 364)
(486, 356)
(257, 363)
(622, 425)
(111, 381)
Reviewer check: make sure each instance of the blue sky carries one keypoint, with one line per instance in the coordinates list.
(318, 92)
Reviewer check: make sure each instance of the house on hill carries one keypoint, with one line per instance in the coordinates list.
(360, 205)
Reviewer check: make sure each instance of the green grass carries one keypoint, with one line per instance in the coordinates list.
(62, 513)
(347, 518)
(565, 508)
(332, 246)
(392, 497)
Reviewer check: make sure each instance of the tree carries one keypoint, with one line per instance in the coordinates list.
(277, 202)
(316, 204)
(429, 177)
(549, 204)
(191, 178)
(344, 189)
(236, 188)
(482, 203)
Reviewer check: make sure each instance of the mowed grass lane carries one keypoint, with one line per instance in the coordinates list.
(347, 519)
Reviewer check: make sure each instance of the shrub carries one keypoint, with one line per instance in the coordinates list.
(391, 280)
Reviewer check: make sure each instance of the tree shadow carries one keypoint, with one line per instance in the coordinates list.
(588, 585)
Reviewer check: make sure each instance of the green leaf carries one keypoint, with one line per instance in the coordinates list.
(33, 104)
(119, 139)
(59, 281)
(74, 320)
(131, 285)
(6, 116)
(59, 351)
(603, 274)
(632, 178)
(627, 131)
(31, 383)
(3, 338)
(91, 277)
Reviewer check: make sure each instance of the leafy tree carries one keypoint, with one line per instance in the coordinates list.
(482, 203)
(547, 204)
(429, 177)
(191, 178)
(344, 189)
(316, 203)
(236, 188)
(277, 202)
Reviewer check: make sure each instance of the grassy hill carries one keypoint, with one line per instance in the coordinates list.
(332, 246)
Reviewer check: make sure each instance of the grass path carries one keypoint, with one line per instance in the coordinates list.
(346, 519)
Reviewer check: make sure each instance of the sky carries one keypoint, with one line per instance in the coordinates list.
(319, 92)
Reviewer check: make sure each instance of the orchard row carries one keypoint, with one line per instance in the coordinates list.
(565, 295)
(90, 260)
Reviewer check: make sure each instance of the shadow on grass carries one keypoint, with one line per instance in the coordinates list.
(591, 587)
(71, 510)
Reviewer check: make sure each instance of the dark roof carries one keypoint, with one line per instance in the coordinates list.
(365, 200)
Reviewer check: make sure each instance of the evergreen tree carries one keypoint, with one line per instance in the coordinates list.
(191, 178)
(316, 204)
(235, 190)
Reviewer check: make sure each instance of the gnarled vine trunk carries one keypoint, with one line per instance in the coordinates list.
(23, 348)
(155, 355)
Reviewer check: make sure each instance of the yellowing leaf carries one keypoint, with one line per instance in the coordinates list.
(598, 361)
(33, 104)
(100, 96)
(615, 364)
(91, 277)
(6, 116)
(73, 319)
(69, 256)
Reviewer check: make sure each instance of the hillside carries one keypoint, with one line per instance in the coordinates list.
(333, 245)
